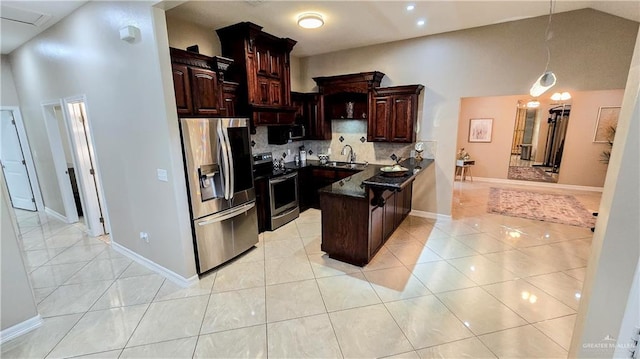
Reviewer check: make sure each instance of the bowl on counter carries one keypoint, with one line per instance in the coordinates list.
(394, 171)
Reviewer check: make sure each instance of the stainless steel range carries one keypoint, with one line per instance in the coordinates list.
(219, 170)
(283, 190)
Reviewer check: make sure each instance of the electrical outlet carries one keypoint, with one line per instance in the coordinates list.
(144, 236)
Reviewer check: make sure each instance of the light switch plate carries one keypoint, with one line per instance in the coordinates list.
(162, 175)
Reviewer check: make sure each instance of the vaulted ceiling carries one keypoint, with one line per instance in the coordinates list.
(348, 24)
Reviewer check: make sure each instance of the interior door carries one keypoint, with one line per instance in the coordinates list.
(14, 166)
(86, 168)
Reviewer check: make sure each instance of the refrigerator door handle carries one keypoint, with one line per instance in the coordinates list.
(228, 214)
(230, 160)
(225, 160)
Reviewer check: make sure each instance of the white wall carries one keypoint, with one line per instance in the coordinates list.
(8, 94)
(590, 51)
(615, 247)
(17, 301)
(40, 151)
(183, 34)
(131, 117)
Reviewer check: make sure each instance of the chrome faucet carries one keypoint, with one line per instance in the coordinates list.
(352, 155)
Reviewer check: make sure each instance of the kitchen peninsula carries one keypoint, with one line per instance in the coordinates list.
(360, 212)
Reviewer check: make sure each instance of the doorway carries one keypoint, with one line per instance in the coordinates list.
(16, 162)
(73, 156)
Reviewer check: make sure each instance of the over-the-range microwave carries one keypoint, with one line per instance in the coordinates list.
(279, 135)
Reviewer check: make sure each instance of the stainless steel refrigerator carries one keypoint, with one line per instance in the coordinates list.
(219, 169)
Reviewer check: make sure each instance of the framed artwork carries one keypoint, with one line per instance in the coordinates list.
(606, 124)
(480, 129)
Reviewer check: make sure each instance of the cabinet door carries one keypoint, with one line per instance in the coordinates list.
(298, 101)
(320, 127)
(402, 119)
(389, 219)
(275, 60)
(377, 129)
(408, 195)
(376, 235)
(206, 93)
(182, 88)
(263, 91)
(275, 92)
(305, 188)
(399, 208)
(262, 202)
(229, 98)
(262, 60)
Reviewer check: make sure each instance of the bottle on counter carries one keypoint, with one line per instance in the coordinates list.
(303, 157)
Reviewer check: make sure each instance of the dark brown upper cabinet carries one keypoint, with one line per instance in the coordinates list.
(262, 70)
(348, 96)
(197, 82)
(309, 113)
(394, 114)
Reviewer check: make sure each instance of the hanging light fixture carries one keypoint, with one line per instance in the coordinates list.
(548, 78)
(310, 20)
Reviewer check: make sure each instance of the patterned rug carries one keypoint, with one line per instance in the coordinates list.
(547, 207)
(530, 174)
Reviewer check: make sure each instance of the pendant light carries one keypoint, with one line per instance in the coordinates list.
(548, 78)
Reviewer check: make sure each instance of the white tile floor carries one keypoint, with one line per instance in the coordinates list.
(479, 285)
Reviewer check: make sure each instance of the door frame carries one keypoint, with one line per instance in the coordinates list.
(26, 153)
(59, 160)
(96, 166)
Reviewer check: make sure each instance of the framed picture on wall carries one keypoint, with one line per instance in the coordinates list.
(606, 124)
(480, 129)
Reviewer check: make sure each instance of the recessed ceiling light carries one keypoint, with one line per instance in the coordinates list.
(310, 20)
(421, 22)
(410, 7)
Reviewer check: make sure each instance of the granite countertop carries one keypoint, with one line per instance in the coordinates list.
(370, 175)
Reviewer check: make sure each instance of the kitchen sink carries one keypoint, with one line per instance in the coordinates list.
(353, 165)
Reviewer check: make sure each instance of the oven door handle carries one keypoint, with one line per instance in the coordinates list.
(282, 178)
(285, 213)
(227, 214)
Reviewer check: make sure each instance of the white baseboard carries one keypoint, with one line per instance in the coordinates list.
(20, 329)
(430, 215)
(538, 184)
(55, 214)
(169, 274)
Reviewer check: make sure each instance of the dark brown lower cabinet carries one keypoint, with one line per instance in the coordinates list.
(262, 202)
(311, 179)
(354, 229)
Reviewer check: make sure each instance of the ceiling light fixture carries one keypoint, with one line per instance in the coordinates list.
(310, 20)
(410, 7)
(548, 78)
(421, 22)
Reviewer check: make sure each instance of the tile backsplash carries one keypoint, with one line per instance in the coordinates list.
(351, 131)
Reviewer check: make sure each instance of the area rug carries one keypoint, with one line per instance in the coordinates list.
(530, 174)
(557, 208)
